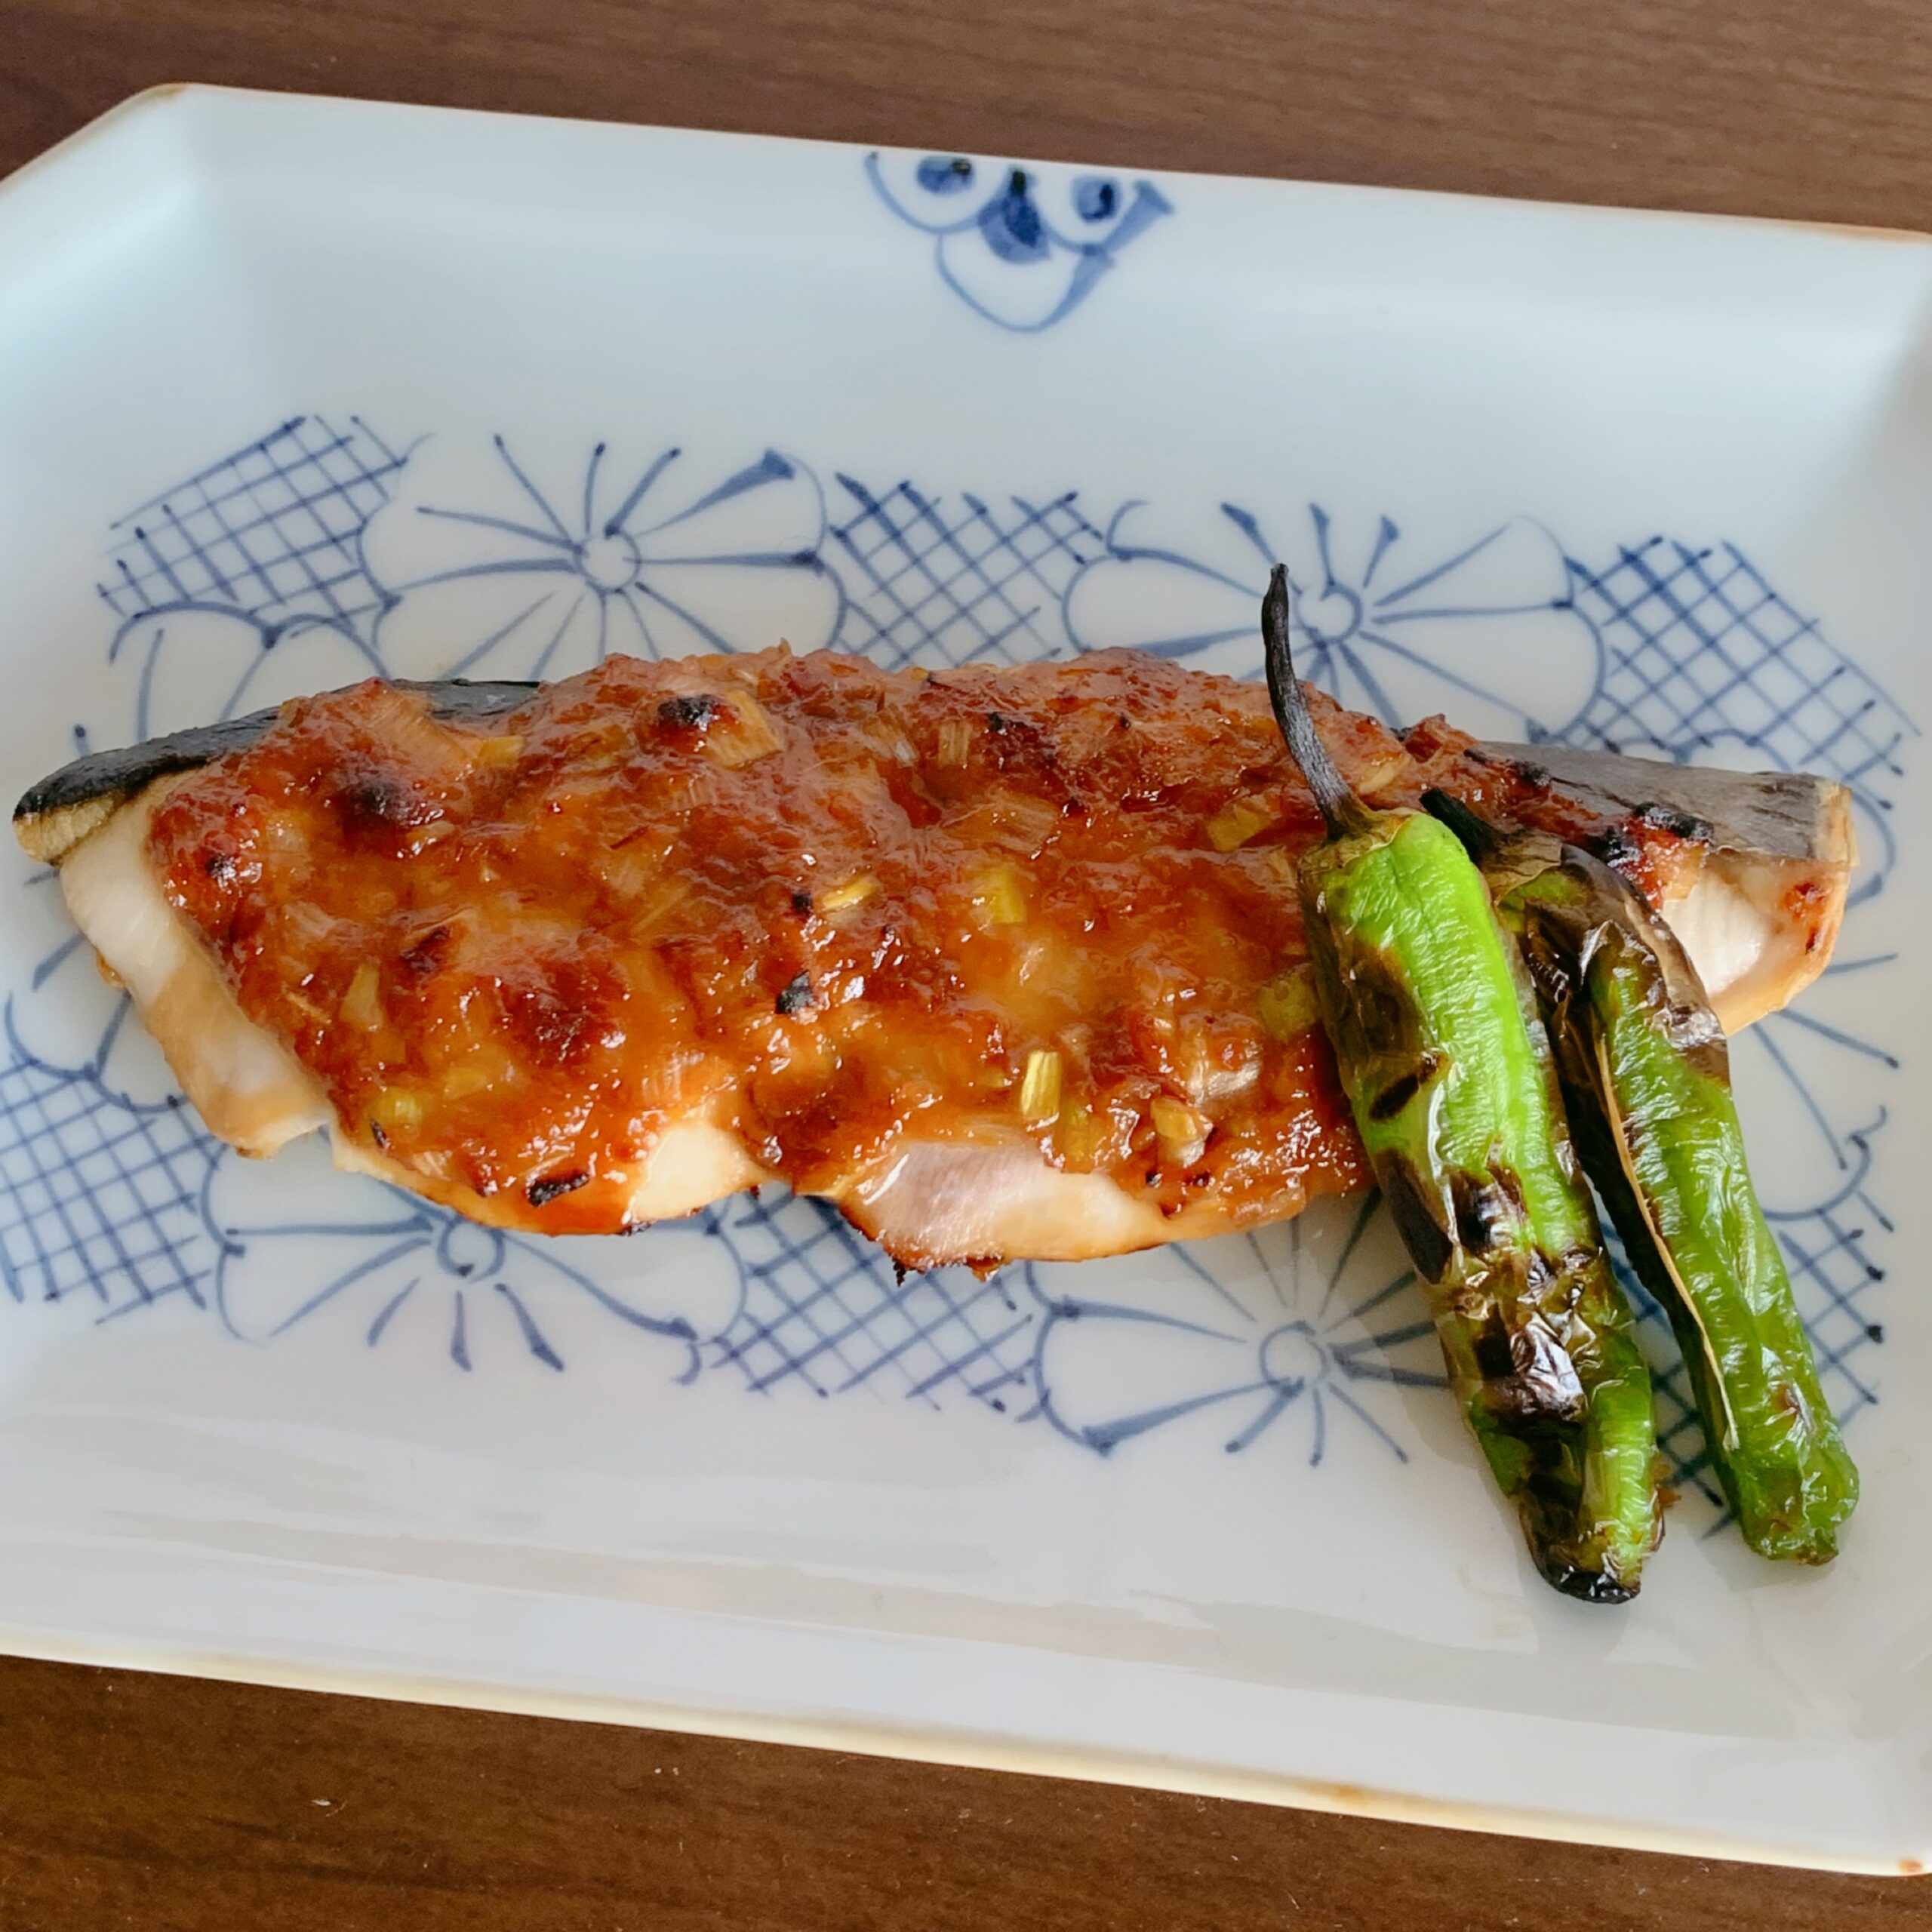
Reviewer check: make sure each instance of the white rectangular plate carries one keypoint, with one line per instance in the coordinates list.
(292, 389)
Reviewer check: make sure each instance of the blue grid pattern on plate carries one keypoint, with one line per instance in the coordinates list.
(940, 584)
(99, 1197)
(1700, 648)
(821, 1308)
(273, 530)
(96, 1193)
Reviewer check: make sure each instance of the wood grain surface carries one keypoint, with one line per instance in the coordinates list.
(157, 1803)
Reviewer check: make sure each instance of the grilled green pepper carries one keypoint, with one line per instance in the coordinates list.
(1448, 1074)
(1647, 1078)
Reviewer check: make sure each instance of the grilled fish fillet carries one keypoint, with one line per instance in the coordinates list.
(1006, 963)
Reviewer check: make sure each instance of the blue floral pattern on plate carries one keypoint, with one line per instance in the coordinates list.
(485, 572)
(1021, 246)
(323, 552)
(1375, 617)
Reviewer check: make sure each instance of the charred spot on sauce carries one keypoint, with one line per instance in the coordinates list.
(541, 1193)
(795, 996)
(372, 800)
(378, 1135)
(425, 955)
(693, 712)
(802, 903)
(1020, 746)
(219, 866)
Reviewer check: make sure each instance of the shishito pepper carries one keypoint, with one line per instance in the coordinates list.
(1646, 1076)
(1448, 1074)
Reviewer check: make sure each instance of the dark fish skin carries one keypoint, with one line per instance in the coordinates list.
(55, 815)
(1780, 814)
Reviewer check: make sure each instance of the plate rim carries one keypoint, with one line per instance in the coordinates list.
(1005, 1752)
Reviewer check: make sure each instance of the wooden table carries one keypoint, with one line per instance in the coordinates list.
(147, 1801)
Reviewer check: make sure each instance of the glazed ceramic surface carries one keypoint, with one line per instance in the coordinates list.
(295, 391)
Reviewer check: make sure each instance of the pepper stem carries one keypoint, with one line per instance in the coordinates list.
(1344, 812)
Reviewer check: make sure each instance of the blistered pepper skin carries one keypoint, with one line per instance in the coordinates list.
(1646, 1075)
(1450, 1079)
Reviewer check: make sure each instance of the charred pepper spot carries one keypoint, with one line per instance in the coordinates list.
(1483, 1211)
(1539, 1385)
(541, 1193)
(796, 996)
(219, 866)
(1491, 1349)
(1377, 1020)
(1511, 1185)
(1428, 1242)
(1694, 1033)
(1405, 1087)
(1589, 1586)
(1549, 971)
(802, 903)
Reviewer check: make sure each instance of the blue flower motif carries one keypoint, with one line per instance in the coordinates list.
(487, 573)
(1491, 634)
(1297, 1323)
(308, 1243)
(200, 664)
(1019, 249)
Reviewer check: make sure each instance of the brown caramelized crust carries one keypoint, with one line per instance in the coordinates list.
(819, 905)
